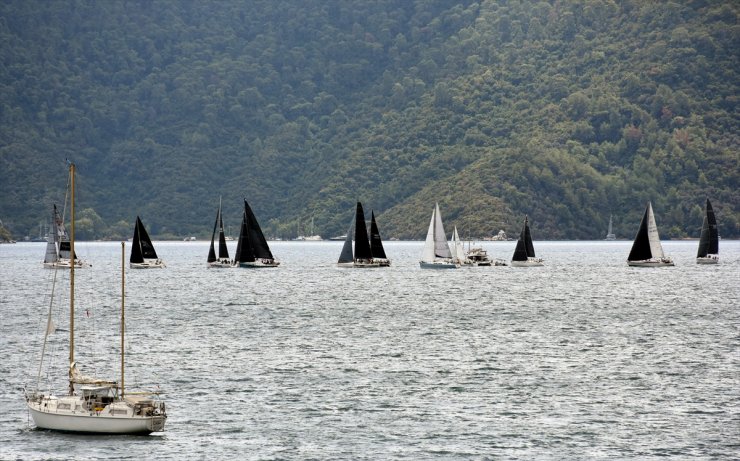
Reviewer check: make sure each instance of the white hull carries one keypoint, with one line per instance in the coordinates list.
(47, 415)
(66, 264)
(148, 264)
(709, 259)
(438, 265)
(666, 262)
(223, 264)
(531, 262)
(259, 264)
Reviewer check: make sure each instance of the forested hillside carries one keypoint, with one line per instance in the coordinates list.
(566, 111)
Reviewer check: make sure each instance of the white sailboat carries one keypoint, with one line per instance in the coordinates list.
(708, 252)
(93, 405)
(646, 249)
(609, 234)
(436, 254)
(58, 253)
(458, 250)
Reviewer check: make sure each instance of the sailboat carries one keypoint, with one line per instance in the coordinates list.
(223, 251)
(58, 253)
(458, 249)
(143, 255)
(252, 249)
(524, 255)
(376, 243)
(709, 241)
(436, 254)
(610, 235)
(646, 249)
(368, 251)
(93, 405)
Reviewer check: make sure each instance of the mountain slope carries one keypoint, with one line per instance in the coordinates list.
(568, 112)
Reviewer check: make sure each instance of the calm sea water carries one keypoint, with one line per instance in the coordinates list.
(584, 358)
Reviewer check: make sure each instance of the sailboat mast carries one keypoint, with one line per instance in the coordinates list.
(72, 274)
(123, 311)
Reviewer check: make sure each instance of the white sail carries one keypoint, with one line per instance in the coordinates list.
(441, 248)
(655, 247)
(428, 253)
(457, 250)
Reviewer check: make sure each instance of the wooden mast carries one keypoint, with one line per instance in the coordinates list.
(71, 276)
(123, 316)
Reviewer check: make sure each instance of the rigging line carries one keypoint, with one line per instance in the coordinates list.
(48, 326)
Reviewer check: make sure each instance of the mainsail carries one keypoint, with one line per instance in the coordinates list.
(362, 242)
(709, 240)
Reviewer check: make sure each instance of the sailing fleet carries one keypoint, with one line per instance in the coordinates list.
(363, 249)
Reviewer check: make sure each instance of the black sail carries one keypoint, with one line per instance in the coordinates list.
(528, 239)
(223, 250)
(257, 240)
(709, 240)
(212, 249)
(376, 243)
(362, 243)
(244, 252)
(641, 246)
(147, 249)
(520, 252)
(346, 255)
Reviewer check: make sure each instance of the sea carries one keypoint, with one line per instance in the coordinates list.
(582, 359)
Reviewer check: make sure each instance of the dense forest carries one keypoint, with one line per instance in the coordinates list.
(567, 111)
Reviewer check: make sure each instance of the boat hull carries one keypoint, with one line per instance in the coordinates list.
(94, 423)
(651, 263)
(531, 262)
(66, 264)
(225, 264)
(437, 265)
(259, 264)
(713, 259)
(148, 264)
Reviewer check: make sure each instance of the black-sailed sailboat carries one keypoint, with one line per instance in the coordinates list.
(646, 249)
(524, 255)
(222, 261)
(252, 250)
(709, 241)
(368, 251)
(143, 255)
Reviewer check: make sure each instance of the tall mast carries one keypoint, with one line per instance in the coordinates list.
(123, 316)
(72, 275)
